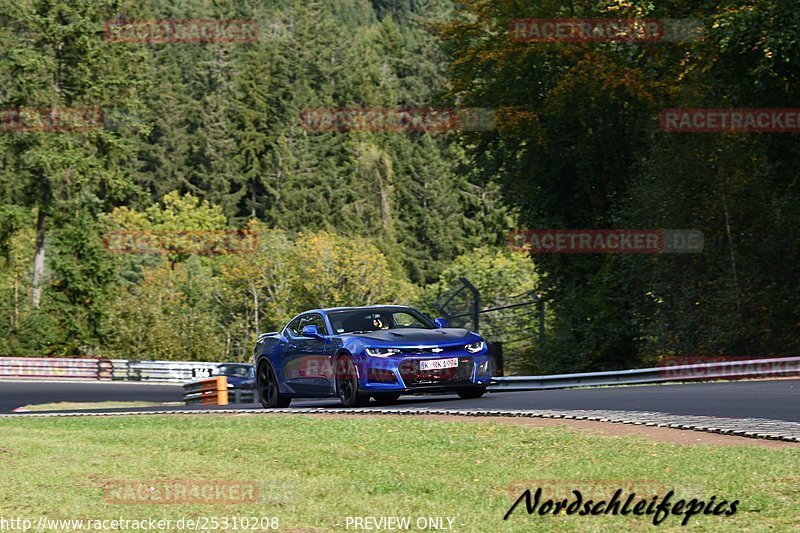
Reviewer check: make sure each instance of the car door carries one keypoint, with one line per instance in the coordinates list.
(323, 356)
(288, 358)
(305, 362)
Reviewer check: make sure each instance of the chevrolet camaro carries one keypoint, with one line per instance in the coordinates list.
(355, 353)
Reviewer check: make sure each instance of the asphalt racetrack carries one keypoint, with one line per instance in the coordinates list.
(770, 399)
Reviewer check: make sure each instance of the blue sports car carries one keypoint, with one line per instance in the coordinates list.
(358, 352)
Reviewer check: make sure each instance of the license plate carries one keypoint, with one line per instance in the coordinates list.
(438, 364)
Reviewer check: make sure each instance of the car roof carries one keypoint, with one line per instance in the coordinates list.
(364, 307)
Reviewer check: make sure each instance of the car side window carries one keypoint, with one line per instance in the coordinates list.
(294, 326)
(319, 321)
(313, 319)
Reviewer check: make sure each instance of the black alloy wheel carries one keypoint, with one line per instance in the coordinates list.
(347, 384)
(267, 386)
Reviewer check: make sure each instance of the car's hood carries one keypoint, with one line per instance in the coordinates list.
(412, 337)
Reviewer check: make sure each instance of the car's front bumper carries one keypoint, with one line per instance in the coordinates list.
(403, 373)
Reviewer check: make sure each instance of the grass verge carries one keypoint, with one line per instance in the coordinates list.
(312, 473)
(78, 406)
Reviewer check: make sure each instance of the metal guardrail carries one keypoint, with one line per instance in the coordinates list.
(118, 370)
(181, 372)
(242, 395)
(38, 367)
(211, 391)
(165, 371)
(216, 391)
(103, 369)
(733, 369)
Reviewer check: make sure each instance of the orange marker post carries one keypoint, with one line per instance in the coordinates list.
(222, 390)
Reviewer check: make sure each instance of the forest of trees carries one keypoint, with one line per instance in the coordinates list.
(583, 149)
(208, 136)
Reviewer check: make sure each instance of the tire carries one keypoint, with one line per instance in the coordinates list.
(267, 387)
(470, 394)
(386, 398)
(347, 384)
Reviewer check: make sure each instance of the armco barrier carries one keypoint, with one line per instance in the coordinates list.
(39, 367)
(103, 369)
(242, 395)
(168, 371)
(181, 372)
(211, 391)
(733, 369)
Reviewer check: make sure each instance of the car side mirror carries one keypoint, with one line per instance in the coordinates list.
(440, 323)
(312, 331)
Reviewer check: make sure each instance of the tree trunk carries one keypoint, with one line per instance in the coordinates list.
(730, 247)
(16, 301)
(38, 259)
(254, 291)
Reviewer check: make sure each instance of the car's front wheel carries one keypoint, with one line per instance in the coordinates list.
(267, 386)
(347, 384)
(468, 394)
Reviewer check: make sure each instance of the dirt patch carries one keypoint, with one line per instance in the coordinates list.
(683, 437)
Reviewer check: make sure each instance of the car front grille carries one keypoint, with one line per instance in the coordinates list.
(414, 377)
(433, 350)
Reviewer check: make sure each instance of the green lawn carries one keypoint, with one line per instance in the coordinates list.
(74, 406)
(314, 472)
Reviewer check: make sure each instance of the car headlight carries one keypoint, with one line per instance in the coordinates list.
(475, 347)
(382, 352)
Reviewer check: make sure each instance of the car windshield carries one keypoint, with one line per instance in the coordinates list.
(369, 320)
(233, 370)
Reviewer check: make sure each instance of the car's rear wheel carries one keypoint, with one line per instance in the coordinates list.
(267, 386)
(347, 384)
(468, 394)
(386, 398)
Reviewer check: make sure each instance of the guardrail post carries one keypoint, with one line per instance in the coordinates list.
(104, 368)
(222, 390)
(496, 356)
